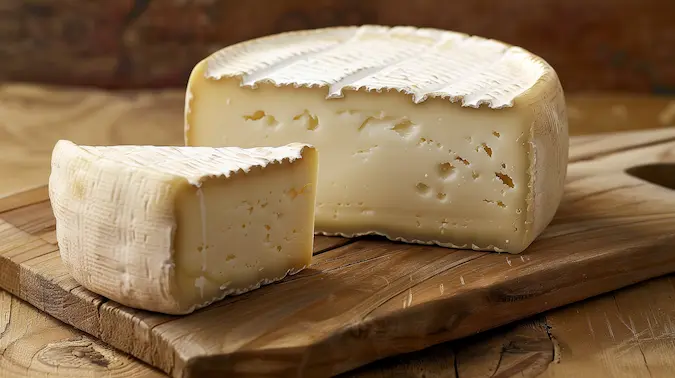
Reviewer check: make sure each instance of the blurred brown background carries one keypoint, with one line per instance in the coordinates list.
(595, 45)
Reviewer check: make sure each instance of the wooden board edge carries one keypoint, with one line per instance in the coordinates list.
(589, 147)
(79, 311)
(444, 329)
(24, 198)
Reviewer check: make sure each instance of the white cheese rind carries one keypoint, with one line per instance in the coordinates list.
(424, 63)
(437, 168)
(173, 229)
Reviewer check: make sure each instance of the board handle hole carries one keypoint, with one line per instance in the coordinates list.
(661, 174)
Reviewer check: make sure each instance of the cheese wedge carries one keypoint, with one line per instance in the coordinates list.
(425, 136)
(173, 229)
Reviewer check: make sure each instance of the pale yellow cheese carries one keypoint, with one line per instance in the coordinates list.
(173, 229)
(425, 136)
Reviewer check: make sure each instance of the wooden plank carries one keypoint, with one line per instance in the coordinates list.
(372, 298)
(628, 333)
(521, 349)
(640, 162)
(34, 118)
(12, 201)
(587, 346)
(594, 146)
(35, 344)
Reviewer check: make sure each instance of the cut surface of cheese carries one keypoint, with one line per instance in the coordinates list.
(173, 229)
(425, 136)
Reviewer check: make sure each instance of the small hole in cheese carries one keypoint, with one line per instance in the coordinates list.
(506, 179)
(487, 149)
(365, 123)
(424, 141)
(498, 203)
(466, 162)
(404, 128)
(261, 115)
(258, 115)
(445, 170)
(422, 188)
(311, 120)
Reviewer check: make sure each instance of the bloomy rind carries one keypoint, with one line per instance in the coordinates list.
(548, 166)
(219, 164)
(234, 62)
(81, 251)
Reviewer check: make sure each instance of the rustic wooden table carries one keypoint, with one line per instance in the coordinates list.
(627, 333)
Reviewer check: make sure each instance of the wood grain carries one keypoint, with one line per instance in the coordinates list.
(595, 146)
(143, 43)
(523, 348)
(624, 334)
(371, 298)
(33, 119)
(33, 344)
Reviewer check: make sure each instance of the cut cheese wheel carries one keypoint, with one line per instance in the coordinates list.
(425, 136)
(173, 229)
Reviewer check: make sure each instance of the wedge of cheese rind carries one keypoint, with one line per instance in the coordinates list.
(173, 229)
(425, 136)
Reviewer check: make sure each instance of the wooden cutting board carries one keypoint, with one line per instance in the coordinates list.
(365, 299)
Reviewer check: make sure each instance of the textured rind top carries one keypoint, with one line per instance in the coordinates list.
(423, 63)
(194, 163)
